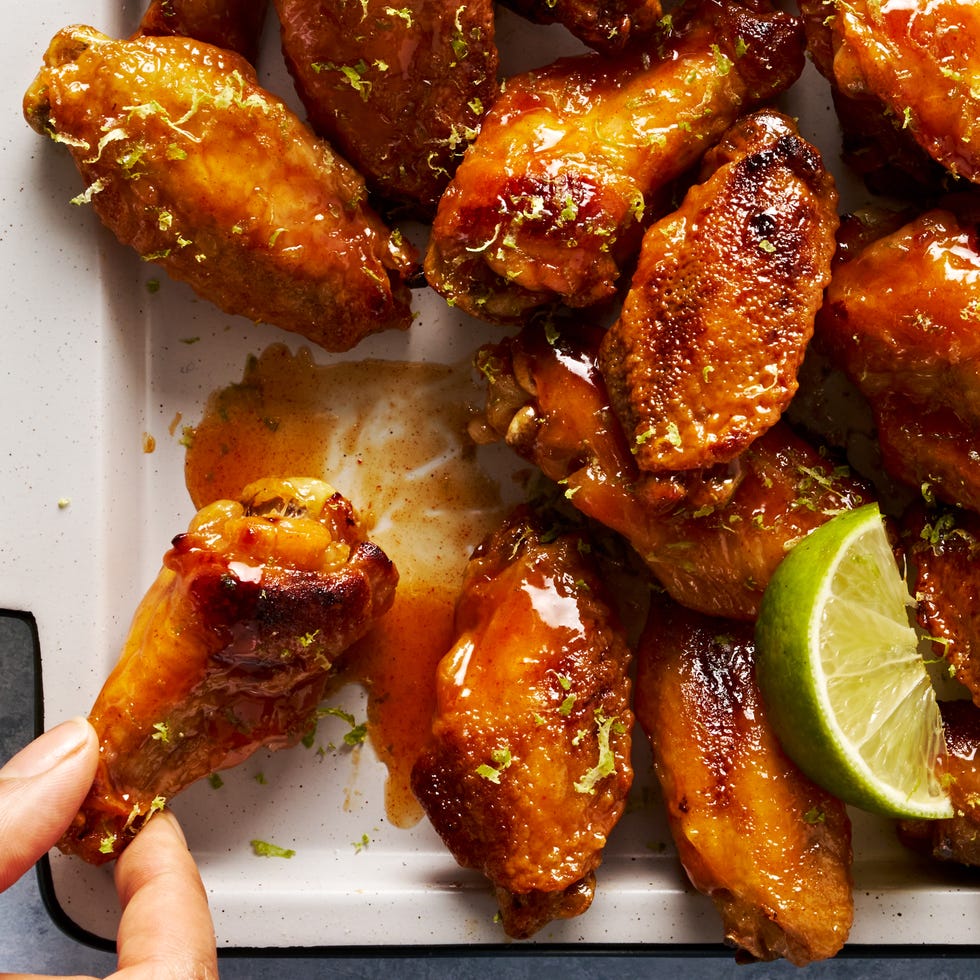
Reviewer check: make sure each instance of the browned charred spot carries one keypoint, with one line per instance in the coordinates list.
(772, 38)
(556, 205)
(803, 158)
(763, 224)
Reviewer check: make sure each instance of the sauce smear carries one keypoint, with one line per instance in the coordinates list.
(390, 436)
(396, 663)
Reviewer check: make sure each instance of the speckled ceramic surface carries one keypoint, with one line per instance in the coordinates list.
(93, 362)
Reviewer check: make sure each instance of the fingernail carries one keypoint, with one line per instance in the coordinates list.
(47, 750)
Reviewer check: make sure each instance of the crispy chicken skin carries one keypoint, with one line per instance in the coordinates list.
(920, 60)
(549, 201)
(769, 847)
(607, 26)
(233, 24)
(900, 319)
(529, 764)
(230, 649)
(399, 91)
(715, 545)
(958, 838)
(942, 546)
(189, 161)
(719, 559)
(705, 353)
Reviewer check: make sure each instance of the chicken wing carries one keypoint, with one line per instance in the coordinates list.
(399, 91)
(942, 547)
(705, 353)
(188, 160)
(233, 24)
(917, 59)
(607, 26)
(550, 200)
(900, 319)
(874, 143)
(529, 763)
(958, 838)
(230, 650)
(713, 546)
(769, 847)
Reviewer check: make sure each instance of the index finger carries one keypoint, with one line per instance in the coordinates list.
(166, 927)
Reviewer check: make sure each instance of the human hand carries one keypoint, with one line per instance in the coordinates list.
(165, 929)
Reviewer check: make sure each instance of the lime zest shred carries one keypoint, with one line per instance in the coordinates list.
(502, 757)
(96, 187)
(358, 730)
(606, 764)
(262, 848)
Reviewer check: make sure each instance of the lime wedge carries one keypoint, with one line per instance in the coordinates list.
(847, 691)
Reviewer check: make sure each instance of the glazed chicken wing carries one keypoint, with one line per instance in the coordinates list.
(399, 91)
(943, 550)
(900, 319)
(188, 160)
(875, 143)
(769, 847)
(529, 763)
(233, 24)
(230, 650)
(705, 353)
(714, 546)
(607, 26)
(958, 838)
(920, 61)
(550, 200)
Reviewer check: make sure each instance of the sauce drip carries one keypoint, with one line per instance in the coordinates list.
(396, 663)
(391, 437)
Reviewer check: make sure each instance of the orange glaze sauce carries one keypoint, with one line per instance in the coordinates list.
(397, 663)
(391, 437)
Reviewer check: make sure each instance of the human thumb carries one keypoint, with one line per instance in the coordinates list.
(41, 789)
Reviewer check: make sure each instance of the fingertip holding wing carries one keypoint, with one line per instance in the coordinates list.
(166, 918)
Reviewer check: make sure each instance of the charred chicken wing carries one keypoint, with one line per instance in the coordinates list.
(770, 848)
(529, 763)
(705, 354)
(900, 319)
(230, 650)
(232, 24)
(550, 199)
(188, 160)
(399, 91)
(715, 544)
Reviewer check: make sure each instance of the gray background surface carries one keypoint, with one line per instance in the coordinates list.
(31, 942)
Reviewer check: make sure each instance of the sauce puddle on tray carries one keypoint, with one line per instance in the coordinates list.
(390, 436)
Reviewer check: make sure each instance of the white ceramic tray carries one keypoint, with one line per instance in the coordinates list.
(91, 362)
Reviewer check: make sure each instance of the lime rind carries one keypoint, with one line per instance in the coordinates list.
(846, 689)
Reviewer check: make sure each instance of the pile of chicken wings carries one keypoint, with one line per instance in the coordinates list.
(673, 277)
